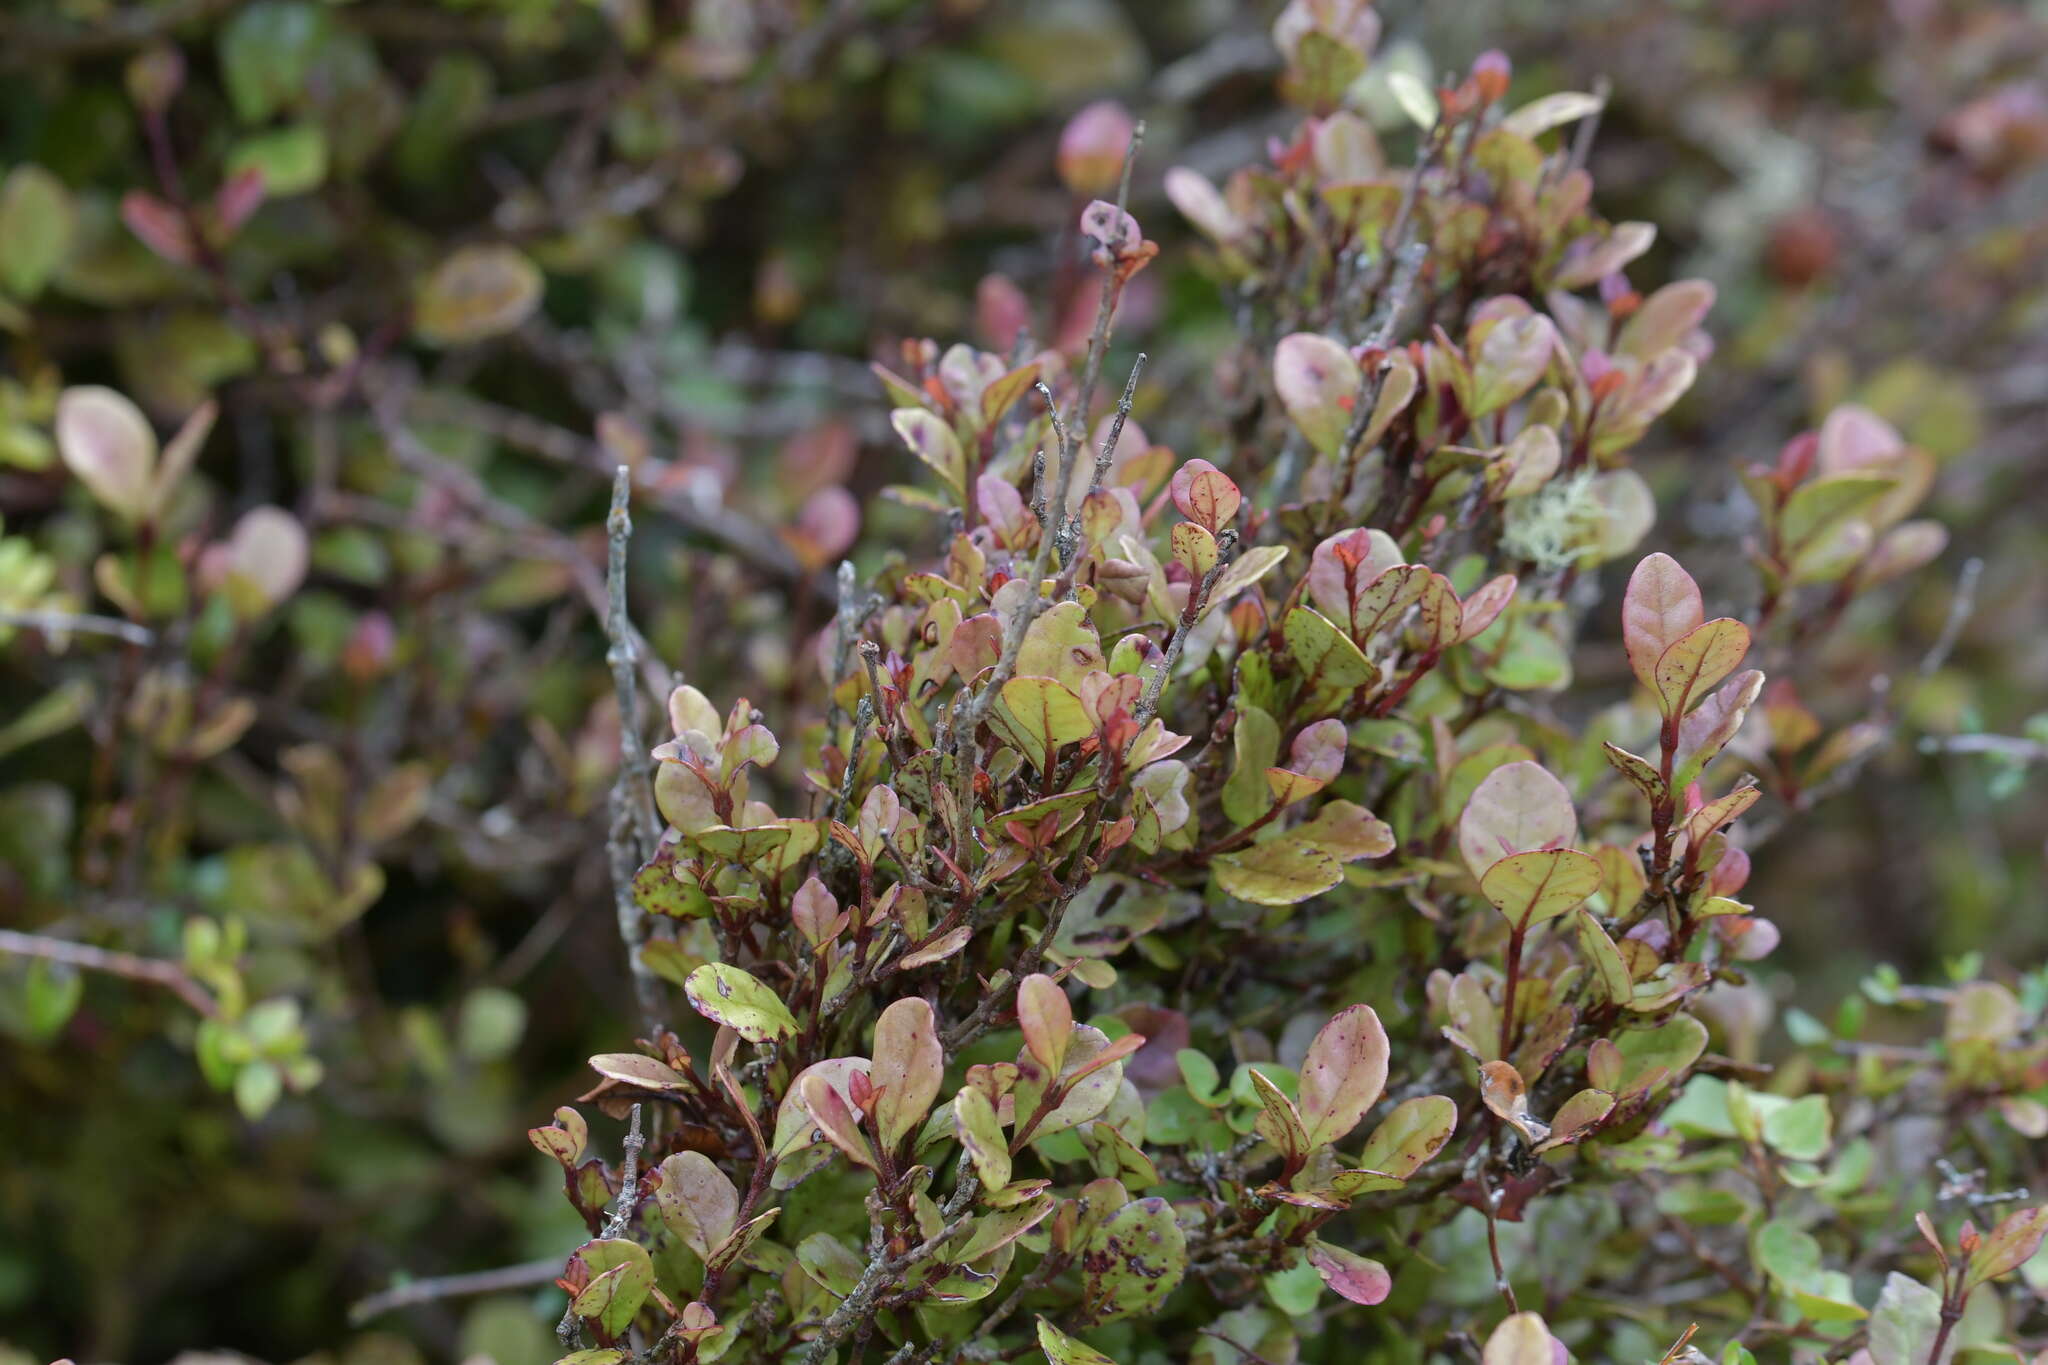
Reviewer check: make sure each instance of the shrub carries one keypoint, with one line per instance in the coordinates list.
(1282, 905)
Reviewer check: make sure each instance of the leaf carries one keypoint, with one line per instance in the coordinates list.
(1697, 662)
(1485, 604)
(1665, 319)
(931, 440)
(1530, 888)
(697, 1201)
(1598, 948)
(1037, 716)
(1713, 723)
(644, 1073)
(1662, 604)
(1247, 569)
(1047, 1018)
(289, 160)
(1802, 1130)
(1062, 644)
(1521, 1339)
(2008, 1246)
(1414, 1132)
(908, 1067)
(1517, 808)
(1205, 495)
(1508, 359)
(1343, 1074)
(1577, 1117)
(981, 1134)
(1061, 1349)
(726, 995)
(1636, 769)
(1279, 1122)
(36, 228)
(266, 51)
(1278, 872)
(1343, 566)
(480, 291)
(1317, 381)
(835, 1118)
(1325, 654)
(1905, 1323)
(1132, 1261)
(1545, 112)
(613, 1276)
(1350, 1274)
(107, 443)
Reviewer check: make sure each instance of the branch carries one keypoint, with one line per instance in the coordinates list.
(415, 1292)
(632, 836)
(154, 970)
(64, 622)
(883, 1269)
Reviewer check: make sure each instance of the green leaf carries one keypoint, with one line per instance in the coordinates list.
(1281, 871)
(52, 993)
(616, 1276)
(1414, 1132)
(1035, 716)
(1697, 662)
(36, 226)
(1326, 656)
(1816, 506)
(931, 440)
(726, 995)
(1279, 1123)
(1062, 1349)
(1905, 1323)
(1530, 888)
(981, 1134)
(2008, 1246)
(1132, 1261)
(292, 160)
(265, 53)
(1802, 1130)
(1255, 742)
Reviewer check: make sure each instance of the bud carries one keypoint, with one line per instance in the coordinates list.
(155, 76)
(1490, 73)
(1093, 146)
(370, 647)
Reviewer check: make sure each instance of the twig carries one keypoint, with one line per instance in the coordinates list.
(416, 1292)
(2005, 746)
(570, 1330)
(1960, 609)
(154, 970)
(1198, 600)
(631, 840)
(1056, 502)
(61, 622)
(1589, 126)
(860, 1301)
